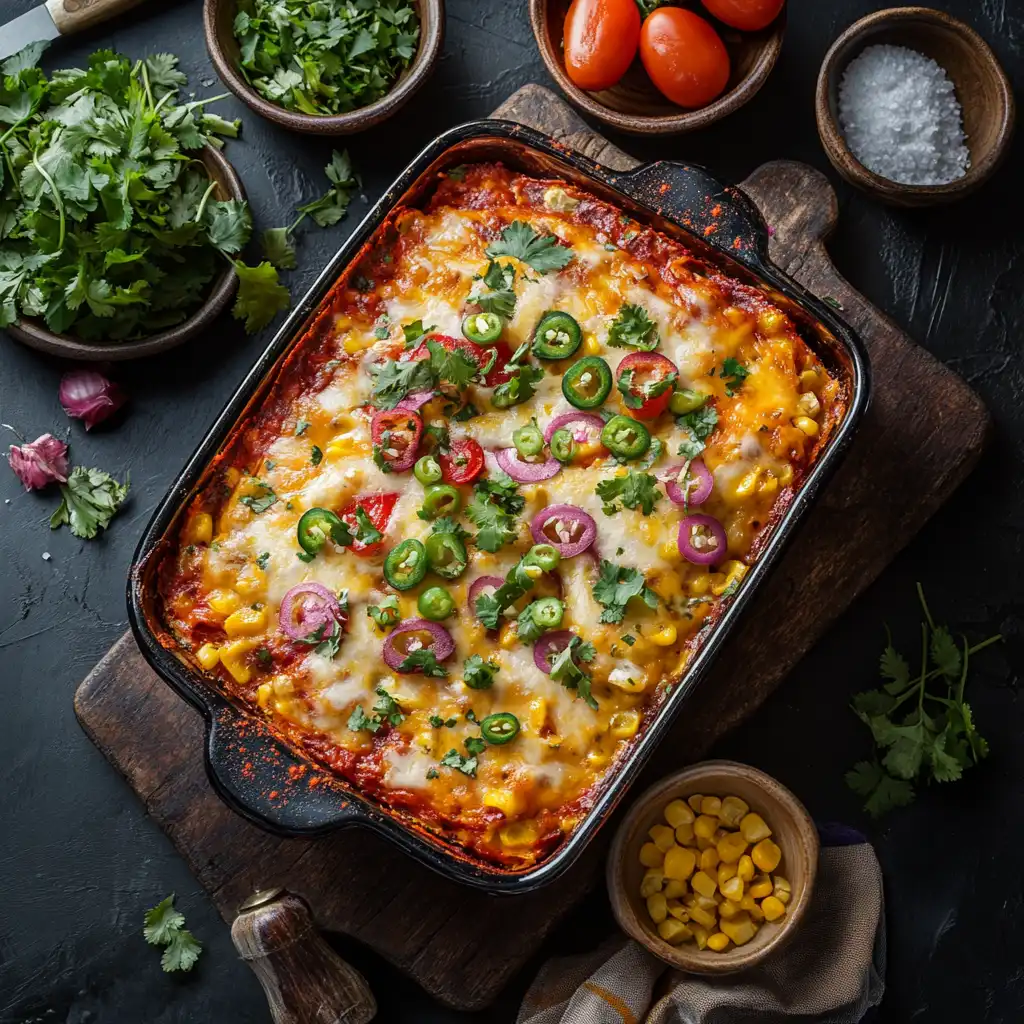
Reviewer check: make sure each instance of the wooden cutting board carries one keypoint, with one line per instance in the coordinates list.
(923, 433)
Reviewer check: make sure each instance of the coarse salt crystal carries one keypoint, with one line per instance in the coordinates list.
(900, 117)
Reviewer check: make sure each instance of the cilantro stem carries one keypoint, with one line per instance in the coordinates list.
(924, 667)
(145, 82)
(57, 200)
(202, 202)
(924, 606)
(934, 672)
(203, 102)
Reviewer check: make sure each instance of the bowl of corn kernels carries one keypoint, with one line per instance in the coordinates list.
(713, 867)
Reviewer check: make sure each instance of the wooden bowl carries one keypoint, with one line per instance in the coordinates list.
(634, 104)
(791, 827)
(981, 85)
(218, 19)
(34, 333)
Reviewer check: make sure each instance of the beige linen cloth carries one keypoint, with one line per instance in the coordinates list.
(832, 972)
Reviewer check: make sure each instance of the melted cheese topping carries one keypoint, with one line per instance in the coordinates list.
(238, 559)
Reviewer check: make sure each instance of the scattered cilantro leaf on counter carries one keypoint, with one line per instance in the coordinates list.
(278, 248)
(733, 374)
(332, 62)
(385, 614)
(165, 926)
(414, 331)
(633, 328)
(541, 252)
(478, 674)
(260, 296)
(499, 296)
(566, 670)
(90, 499)
(634, 490)
(424, 662)
(920, 735)
(616, 586)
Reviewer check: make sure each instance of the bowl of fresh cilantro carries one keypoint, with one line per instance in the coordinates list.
(324, 67)
(120, 220)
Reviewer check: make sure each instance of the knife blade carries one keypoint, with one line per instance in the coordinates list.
(56, 18)
(30, 27)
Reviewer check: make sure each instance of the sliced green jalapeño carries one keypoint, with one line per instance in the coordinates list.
(625, 437)
(482, 328)
(316, 525)
(587, 383)
(406, 565)
(557, 336)
(446, 555)
(500, 728)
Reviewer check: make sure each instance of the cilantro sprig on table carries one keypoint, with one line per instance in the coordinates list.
(89, 500)
(616, 586)
(325, 59)
(165, 926)
(108, 225)
(921, 735)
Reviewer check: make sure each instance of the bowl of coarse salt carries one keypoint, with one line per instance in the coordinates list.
(913, 106)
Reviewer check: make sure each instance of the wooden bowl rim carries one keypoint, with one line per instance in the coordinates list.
(839, 152)
(686, 957)
(431, 38)
(661, 124)
(36, 336)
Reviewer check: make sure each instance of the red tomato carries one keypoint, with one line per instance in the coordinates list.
(684, 56)
(464, 462)
(749, 15)
(379, 508)
(648, 369)
(497, 374)
(600, 40)
(404, 431)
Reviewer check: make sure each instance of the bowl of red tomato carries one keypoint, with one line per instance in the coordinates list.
(657, 67)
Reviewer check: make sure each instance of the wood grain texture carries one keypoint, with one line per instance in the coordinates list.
(920, 438)
(72, 16)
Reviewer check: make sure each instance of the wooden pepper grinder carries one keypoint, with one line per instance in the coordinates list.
(306, 982)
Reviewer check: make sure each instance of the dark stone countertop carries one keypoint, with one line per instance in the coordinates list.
(81, 861)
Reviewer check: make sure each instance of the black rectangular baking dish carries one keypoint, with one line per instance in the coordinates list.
(249, 765)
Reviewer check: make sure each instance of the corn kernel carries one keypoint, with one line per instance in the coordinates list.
(700, 584)
(766, 855)
(783, 891)
(232, 476)
(703, 917)
(748, 902)
(733, 809)
(509, 637)
(806, 425)
(785, 475)
(718, 942)
(711, 805)
(727, 909)
(246, 622)
(665, 637)
(739, 928)
(808, 405)
(208, 655)
(694, 802)
(200, 529)
(731, 847)
(679, 862)
(810, 380)
(657, 907)
(761, 886)
(263, 694)
(232, 657)
(679, 813)
(754, 828)
(684, 834)
(518, 833)
(756, 914)
(705, 825)
(624, 724)
(700, 935)
(709, 859)
(669, 551)
(725, 872)
(678, 911)
(663, 837)
(732, 889)
(651, 856)
(771, 321)
(653, 880)
(772, 908)
(591, 345)
(537, 714)
(748, 484)
(674, 931)
(251, 581)
(353, 344)
(674, 888)
(224, 602)
(769, 483)
(505, 800)
(704, 884)
(596, 759)
(745, 868)
(703, 843)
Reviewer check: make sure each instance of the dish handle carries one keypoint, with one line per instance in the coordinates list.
(723, 215)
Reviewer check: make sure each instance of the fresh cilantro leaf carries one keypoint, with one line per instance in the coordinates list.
(27, 57)
(700, 423)
(301, 426)
(518, 581)
(541, 252)
(616, 586)
(655, 452)
(881, 791)
(448, 525)
(181, 953)
(263, 560)
(436, 721)
(386, 711)
(385, 614)
(467, 412)
(323, 643)
(496, 292)
(527, 628)
(633, 328)
(316, 456)
(945, 654)
(90, 499)
(366, 532)
(161, 922)
(474, 745)
(634, 490)
(424, 662)
(259, 503)
(733, 374)
(278, 248)
(565, 670)
(260, 297)
(333, 204)
(493, 510)
(634, 397)
(466, 765)
(394, 380)
(478, 674)
(414, 331)
(433, 773)
(455, 366)
(519, 387)
(360, 721)
(264, 656)
(440, 435)
(895, 669)
(228, 224)
(628, 639)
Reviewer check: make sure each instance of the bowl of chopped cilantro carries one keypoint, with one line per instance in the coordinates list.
(120, 220)
(324, 67)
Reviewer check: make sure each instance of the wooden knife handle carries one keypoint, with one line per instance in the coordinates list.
(306, 982)
(75, 15)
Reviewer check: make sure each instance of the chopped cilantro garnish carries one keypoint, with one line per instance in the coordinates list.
(634, 490)
(615, 587)
(262, 501)
(566, 670)
(541, 252)
(633, 328)
(424, 662)
(316, 456)
(733, 374)
(496, 504)
(495, 292)
(386, 711)
(479, 674)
